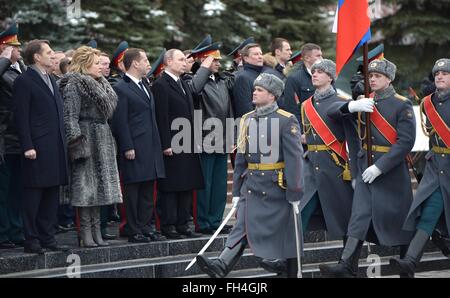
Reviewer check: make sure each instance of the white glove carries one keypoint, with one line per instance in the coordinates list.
(353, 183)
(235, 201)
(295, 205)
(361, 105)
(370, 174)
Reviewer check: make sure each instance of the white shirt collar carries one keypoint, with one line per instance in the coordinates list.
(16, 66)
(134, 79)
(172, 75)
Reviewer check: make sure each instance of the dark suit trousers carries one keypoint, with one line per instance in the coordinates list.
(174, 208)
(138, 198)
(39, 213)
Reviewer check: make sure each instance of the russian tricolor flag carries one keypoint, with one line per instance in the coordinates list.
(352, 25)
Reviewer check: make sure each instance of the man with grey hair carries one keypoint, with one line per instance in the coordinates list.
(268, 148)
(173, 100)
(383, 191)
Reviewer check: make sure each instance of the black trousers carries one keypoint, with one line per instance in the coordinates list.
(174, 209)
(138, 199)
(39, 214)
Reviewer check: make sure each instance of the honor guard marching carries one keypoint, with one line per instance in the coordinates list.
(328, 170)
(266, 182)
(431, 203)
(328, 167)
(383, 193)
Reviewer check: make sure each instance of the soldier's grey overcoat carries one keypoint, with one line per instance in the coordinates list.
(264, 215)
(437, 170)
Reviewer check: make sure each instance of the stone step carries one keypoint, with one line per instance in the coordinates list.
(15, 260)
(432, 264)
(174, 265)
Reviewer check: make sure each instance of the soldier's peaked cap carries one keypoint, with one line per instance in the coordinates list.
(119, 52)
(209, 50)
(375, 53)
(235, 52)
(158, 65)
(9, 36)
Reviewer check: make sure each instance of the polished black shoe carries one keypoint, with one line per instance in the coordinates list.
(226, 229)
(56, 247)
(138, 238)
(189, 233)
(67, 227)
(205, 231)
(33, 249)
(441, 242)
(214, 268)
(107, 236)
(273, 265)
(173, 235)
(7, 245)
(155, 236)
(20, 242)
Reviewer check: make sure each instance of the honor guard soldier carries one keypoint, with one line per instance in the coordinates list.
(328, 167)
(328, 188)
(433, 194)
(266, 182)
(383, 193)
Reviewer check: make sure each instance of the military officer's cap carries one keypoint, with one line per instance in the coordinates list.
(157, 66)
(296, 57)
(92, 43)
(327, 66)
(376, 53)
(271, 83)
(236, 52)
(442, 64)
(205, 42)
(209, 50)
(384, 67)
(119, 52)
(9, 36)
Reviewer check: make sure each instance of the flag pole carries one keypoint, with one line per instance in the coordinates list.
(366, 94)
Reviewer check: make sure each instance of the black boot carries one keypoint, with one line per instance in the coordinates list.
(291, 268)
(441, 242)
(277, 266)
(407, 266)
(348, 264)
(221, 266)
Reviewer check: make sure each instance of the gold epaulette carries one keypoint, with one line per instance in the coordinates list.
(398, 96)
(247, 114)
(284, 113)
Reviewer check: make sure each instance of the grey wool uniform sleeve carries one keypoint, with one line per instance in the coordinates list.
(199, 80)
(292, 152)
(240, 170)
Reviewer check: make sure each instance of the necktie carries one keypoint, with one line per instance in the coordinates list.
(181, 86)
(143, 88)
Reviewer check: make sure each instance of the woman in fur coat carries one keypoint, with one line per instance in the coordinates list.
(89, 102)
